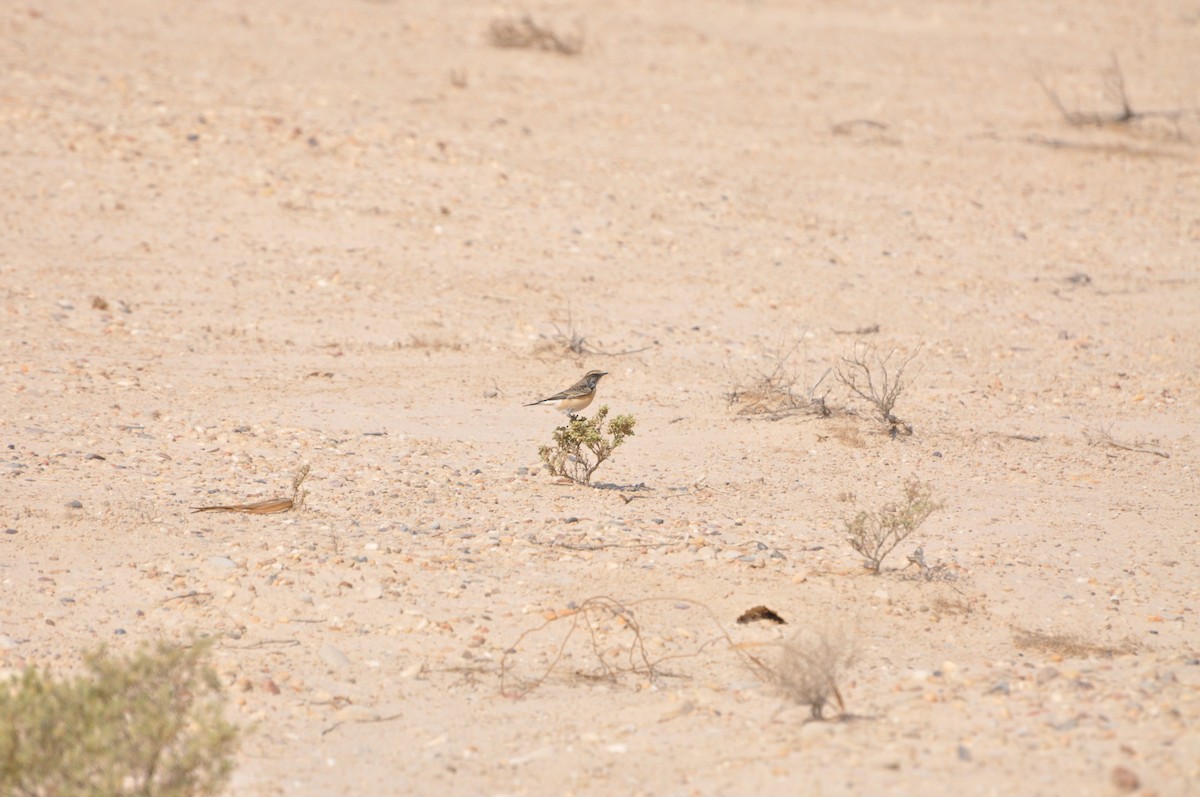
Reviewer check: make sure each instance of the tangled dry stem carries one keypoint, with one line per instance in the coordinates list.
(773, 392)
(600, 617)
(875, 379)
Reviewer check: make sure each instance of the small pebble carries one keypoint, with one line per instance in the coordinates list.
(333, 657)
(1125, 779)
(74, 505)
(1046, 675)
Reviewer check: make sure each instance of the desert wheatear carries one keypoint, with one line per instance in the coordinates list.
(576, 397)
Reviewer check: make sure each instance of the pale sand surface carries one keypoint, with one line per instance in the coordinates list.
(341, 234)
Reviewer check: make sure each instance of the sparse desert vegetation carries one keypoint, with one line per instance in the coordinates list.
(817, 247)
(875, 534)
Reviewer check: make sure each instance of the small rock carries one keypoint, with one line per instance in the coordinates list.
(1045, 675)
(353, 713)
(964, 754)
(221, 562)
(74, 505)
(10, 531)
(1125, 779)
(333, 657)
(7, 642)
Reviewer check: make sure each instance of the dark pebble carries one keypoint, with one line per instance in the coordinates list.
(74, 505)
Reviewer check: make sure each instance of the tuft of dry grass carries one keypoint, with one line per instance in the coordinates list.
(808, 666)
(527, 34)
(1070, 646)
(776, 391)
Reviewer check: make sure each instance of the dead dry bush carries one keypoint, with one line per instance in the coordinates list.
(778, 389)
(568, 338)
(1124, 115)
(527, 34)
(808, 667)
(878, 379)
(604, 639)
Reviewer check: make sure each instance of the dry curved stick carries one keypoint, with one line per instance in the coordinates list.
(268, 507)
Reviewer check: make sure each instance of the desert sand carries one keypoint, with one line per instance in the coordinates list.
(241, 239)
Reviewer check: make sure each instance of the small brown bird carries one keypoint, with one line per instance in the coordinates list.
(576, 397)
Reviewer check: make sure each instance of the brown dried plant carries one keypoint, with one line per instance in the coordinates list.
(809, 666)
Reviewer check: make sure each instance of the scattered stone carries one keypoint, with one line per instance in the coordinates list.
(221, 562)
(74, 505)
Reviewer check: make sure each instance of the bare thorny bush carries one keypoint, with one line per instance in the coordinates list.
(778, 390)
(878, 379)
(610, 638)
(876, 534)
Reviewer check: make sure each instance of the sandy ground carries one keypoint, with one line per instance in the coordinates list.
(240, 240)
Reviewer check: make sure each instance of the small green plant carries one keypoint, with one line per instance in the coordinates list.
(581, 445)
(150, 724)
(876, 534)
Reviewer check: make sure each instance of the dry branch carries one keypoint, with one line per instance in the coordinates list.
(268, 507)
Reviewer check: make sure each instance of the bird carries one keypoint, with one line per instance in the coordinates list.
(574, 398)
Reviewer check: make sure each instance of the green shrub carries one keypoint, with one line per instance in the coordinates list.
(876, 534)
(581, 445)
(151, 724)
